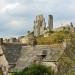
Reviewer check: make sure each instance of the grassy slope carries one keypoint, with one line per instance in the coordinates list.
(67, 60)
(54, 38)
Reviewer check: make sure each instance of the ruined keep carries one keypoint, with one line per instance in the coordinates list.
(40, 25)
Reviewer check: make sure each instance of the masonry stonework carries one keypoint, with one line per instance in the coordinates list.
(50, 22)
(40, 25)
(4, 66)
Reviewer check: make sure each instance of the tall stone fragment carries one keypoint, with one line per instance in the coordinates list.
(50, 22)
(39, 25)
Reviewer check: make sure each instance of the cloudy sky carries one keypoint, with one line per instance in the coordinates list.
(17, 16)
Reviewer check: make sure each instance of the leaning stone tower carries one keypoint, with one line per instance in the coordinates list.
(50, 22)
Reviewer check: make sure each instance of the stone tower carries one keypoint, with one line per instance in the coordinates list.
(39, 25)
(50, 22)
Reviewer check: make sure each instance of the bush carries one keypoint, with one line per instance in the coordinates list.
(36, 70)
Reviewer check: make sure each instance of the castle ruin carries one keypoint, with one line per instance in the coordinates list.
(40, 25)
(50, 22)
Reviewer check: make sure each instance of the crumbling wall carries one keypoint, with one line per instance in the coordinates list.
(39, 25)
(29, 55)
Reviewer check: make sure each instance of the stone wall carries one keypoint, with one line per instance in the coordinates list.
(29, 55)
(12, 52)
(23, 56)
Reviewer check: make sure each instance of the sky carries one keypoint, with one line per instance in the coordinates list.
(17, 16)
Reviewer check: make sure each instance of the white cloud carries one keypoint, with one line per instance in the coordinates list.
(39, 0)
(15, 25)
(9, 7)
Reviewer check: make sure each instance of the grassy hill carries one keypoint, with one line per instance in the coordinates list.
(54, 38)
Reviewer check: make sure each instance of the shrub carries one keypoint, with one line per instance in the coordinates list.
(38, 69)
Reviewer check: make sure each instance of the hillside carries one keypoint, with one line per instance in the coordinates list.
(54, 38)
(67, 61)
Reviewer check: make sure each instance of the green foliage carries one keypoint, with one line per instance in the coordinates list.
(38, 69)
(28, 31)
(16, 73)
